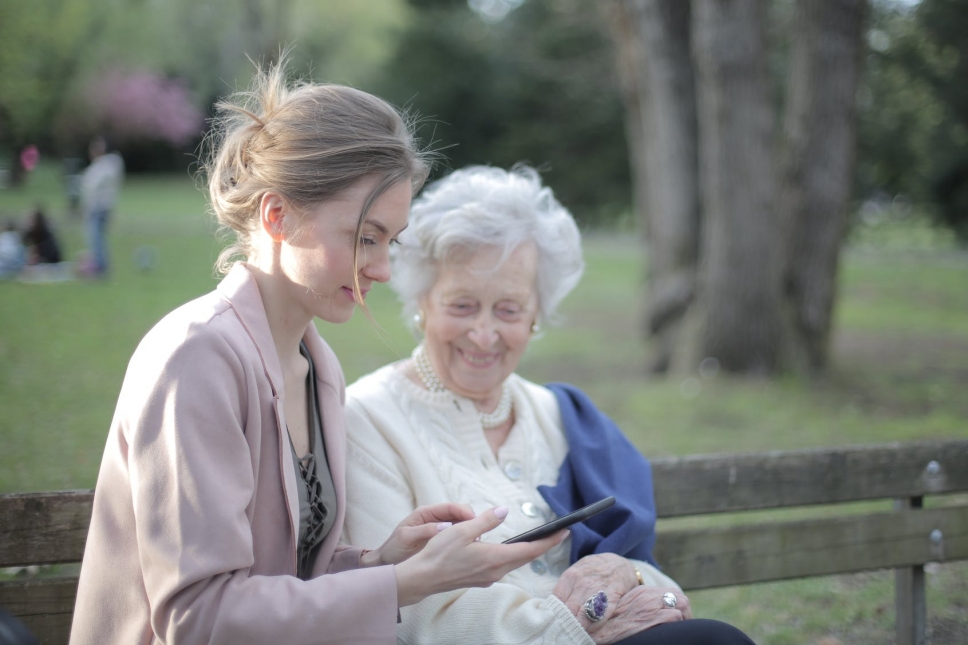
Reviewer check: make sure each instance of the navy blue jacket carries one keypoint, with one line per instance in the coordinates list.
(602, 462)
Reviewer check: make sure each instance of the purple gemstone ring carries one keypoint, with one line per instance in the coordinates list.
(595, 606)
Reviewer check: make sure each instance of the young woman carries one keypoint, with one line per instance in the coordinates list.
(221, 497)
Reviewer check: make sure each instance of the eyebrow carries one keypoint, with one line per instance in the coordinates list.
(514, 295)
(382, 228)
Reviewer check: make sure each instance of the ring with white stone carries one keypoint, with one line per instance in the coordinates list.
(669, 600)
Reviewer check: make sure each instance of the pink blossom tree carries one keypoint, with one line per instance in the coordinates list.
(144, 106)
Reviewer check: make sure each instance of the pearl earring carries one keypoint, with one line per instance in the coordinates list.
(418, 319)
(535, 327)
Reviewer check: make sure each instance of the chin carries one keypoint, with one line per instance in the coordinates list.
(337, 317)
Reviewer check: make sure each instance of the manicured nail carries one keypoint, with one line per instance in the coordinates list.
(565, 536)
(501, 512)
(444, 525)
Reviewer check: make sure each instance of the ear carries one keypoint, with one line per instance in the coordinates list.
(272, 211)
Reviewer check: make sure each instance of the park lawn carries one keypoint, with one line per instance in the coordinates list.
(899, 366)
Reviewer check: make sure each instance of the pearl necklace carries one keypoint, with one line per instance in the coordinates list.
(500, 415)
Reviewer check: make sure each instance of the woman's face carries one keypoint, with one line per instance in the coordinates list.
(317, 260)
(478, 319)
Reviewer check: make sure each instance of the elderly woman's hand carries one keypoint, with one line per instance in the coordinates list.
(640, 609)
(606, 572)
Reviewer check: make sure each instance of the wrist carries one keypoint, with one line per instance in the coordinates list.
(409, 590)
(371, 558)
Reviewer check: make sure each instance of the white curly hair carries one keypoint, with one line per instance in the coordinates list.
(483, 206)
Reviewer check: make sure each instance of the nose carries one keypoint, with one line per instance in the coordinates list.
(483, 333)
(376, 266)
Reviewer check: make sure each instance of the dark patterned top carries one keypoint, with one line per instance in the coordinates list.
(317, 497)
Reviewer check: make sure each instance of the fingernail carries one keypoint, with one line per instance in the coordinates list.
(565, 536)
(444, 525)
(501, 512)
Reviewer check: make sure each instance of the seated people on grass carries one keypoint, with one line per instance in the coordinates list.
(13, 256)
(39, 239)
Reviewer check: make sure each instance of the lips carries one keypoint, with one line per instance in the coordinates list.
(349, 293)
(479, 361)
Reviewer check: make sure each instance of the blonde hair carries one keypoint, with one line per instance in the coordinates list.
(308, 142)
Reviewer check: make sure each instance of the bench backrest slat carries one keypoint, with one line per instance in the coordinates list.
(722, 556)
(700, 484)
(44, 528)
(46, 606)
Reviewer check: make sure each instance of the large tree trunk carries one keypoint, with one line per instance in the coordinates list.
(817, 165)
(743, 252)
(738, 317)
(655, 65)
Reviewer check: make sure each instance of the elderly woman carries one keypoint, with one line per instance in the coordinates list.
(487, 258)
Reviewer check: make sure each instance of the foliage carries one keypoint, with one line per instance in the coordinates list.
(53, 54)
(914, 108)
(538, 86)
(41, 45)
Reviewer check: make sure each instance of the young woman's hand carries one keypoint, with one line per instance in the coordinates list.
(413, 533)
(454, 559)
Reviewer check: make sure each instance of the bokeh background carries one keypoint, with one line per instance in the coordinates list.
(629, 108)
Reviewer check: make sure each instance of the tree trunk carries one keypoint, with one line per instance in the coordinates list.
(738, 318)
(655, 66)
(743, 236)
(817, 163)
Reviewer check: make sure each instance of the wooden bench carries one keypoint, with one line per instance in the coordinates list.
(48, 528)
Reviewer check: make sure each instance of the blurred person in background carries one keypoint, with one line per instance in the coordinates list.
(221, 496)
(40, 241)
(13, 256)
(99, 187)
(486, 260)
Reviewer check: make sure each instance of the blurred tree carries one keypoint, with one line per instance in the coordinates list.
(914, 117)
(655, 62)
(54, 52)
(42, 44)
(745, 234)
(534, 84)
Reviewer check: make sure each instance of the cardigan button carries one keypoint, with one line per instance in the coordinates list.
(513, 470)
(539, 567)
(529, 509)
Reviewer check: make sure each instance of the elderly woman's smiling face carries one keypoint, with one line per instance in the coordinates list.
(478, 319)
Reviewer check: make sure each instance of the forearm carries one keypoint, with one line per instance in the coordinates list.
(238, 609)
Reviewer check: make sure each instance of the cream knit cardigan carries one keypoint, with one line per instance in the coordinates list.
(409, 447)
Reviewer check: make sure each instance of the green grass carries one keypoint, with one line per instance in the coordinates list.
(899, 370)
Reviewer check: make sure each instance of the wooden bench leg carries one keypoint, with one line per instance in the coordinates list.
(909, 599)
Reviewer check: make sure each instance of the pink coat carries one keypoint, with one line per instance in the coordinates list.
(193, 539)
